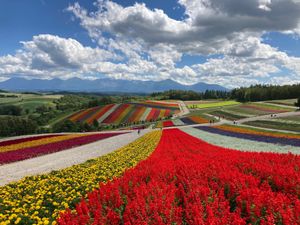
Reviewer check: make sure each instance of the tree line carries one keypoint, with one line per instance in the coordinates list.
(190, 95)
(265, 92)
(243, 94)
(14, 126)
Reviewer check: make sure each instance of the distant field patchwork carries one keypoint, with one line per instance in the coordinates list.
(126, 113)
(242, 111)
(287, 102)
(209, 104)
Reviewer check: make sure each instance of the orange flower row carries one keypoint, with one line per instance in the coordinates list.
(198, 119)
(245, 130)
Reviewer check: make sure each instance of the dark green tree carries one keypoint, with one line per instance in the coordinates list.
(11, 110)
(96, 123)
(297, 104)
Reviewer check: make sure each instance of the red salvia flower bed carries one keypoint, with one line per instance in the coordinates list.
(168, 123)
(188, 181)
(151, 114)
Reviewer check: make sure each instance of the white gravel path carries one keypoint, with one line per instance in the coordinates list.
(183, 108)
(178, 122)
(59, 160)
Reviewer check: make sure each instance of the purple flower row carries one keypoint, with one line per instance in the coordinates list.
(187, 121)
(253, 137)
(26, 153)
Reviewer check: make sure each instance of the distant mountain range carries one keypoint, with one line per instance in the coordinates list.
(102, 85)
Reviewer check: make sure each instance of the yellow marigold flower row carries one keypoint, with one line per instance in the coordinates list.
(39, 199)
(38, 142)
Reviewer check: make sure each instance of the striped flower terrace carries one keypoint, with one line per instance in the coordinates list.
(248, 130)
(121, 113)
(253, 136)
(191, 120)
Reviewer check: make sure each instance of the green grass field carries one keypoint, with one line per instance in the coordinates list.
(255, 109)
(287, 102)
(60, 117)
(290, 119)
(273, 124)
(212, 104)
(270, 106)
(29, 101)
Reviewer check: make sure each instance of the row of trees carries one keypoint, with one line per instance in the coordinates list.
(298, 103)
(191, 95)
(14, 126)
(243, 94)
(266, 92)
(12, 110)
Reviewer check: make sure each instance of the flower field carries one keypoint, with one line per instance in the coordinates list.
(190, 120)
(239, 143)
(39, 199)
(168, 123)
(25, 139)
(250, 134)
(248, 130)
(25, 148)
(162, 124)
(162, 104)
(188, 181)
(126, 113)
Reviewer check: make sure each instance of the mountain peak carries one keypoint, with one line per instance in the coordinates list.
(102, 85)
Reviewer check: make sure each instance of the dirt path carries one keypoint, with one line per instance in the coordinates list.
(183, 109)
(239, 122)
(59, 160)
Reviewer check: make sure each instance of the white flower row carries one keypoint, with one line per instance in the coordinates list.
(178, 122)
(240, 144)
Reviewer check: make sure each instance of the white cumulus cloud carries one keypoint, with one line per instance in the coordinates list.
(136, 42)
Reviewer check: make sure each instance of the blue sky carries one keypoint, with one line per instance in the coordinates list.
(20, 20)
(187, 41)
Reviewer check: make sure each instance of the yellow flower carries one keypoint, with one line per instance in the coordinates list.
(18, 220)
(30, 196)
